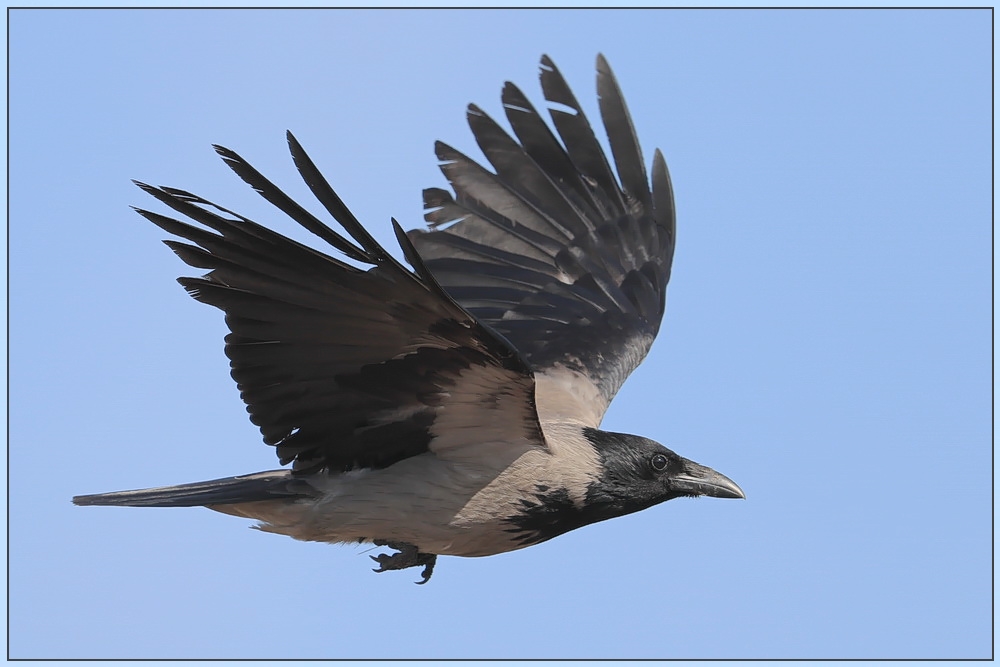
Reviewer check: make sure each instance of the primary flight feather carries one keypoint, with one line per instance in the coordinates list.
(449, 408)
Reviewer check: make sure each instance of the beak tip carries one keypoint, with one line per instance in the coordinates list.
(704, 481)
(737, 491)
(726, 491)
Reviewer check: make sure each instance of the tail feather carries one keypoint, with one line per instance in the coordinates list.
(271, 485)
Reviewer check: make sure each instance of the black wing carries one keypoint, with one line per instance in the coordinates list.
(550, 251)
(342, 367)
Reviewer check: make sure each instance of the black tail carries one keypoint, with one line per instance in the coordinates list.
(270, 485)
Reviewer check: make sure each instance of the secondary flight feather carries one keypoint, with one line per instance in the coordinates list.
(450, 407)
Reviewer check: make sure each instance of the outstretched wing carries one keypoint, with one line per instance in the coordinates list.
(342, 367)
(552, 251)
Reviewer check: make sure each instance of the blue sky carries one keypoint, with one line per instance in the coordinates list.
(826, 344)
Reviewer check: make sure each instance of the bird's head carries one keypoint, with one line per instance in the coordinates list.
(637, 473)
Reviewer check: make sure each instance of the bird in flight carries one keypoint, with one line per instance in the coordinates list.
(451, 407)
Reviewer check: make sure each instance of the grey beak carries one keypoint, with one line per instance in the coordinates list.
(699, 480)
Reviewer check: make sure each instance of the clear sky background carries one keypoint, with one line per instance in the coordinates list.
(827, 342)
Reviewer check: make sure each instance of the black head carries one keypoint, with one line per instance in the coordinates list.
(638, 473)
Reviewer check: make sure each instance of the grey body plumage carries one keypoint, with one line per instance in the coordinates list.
(452, 408)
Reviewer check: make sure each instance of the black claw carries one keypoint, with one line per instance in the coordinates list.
(428, 569)
(407, 555)
(381, 565)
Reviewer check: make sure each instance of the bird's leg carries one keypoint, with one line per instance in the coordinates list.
(408, 556)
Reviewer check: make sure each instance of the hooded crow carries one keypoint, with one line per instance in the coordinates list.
(451, 407)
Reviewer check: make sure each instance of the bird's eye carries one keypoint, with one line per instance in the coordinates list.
(659, 462)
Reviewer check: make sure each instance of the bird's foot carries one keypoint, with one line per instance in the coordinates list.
(407, 556)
